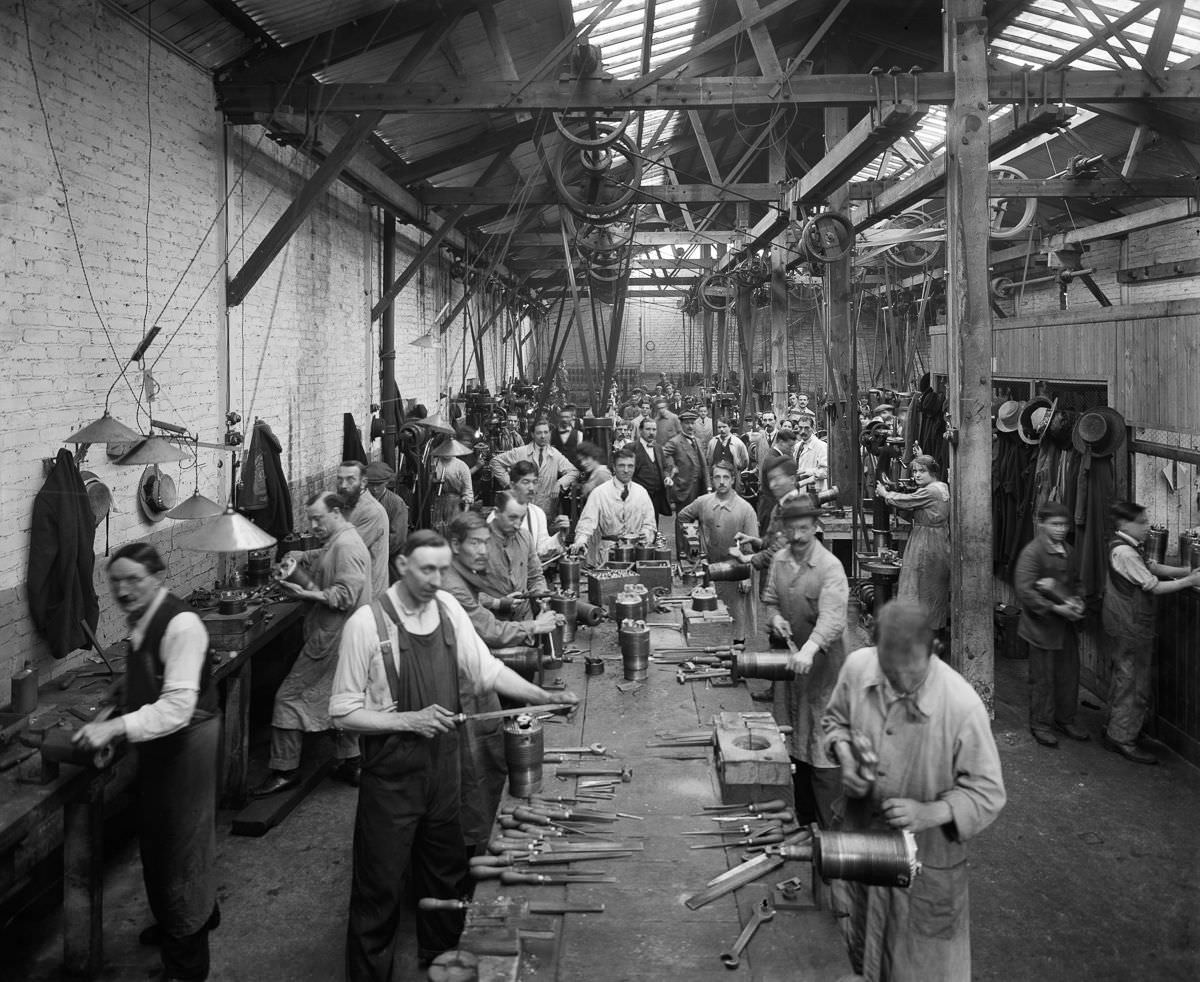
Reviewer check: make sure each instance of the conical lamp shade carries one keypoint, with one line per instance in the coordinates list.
(451, 448)
(107, 429)
(426, 341)
(152, 450)
(437, 424)
(196, 507)
(229, 533)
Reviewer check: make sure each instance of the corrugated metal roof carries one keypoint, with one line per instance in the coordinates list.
(289, 21)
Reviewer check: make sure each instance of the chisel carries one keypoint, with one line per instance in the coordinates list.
(762, 840)
(774, 805)
(503, 908)
(510, 878)
(559, 875)
(552, 858)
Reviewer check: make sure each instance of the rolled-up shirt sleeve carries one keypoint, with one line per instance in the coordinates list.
(359, 644)
(978, 794)
(1128, 563)
(183, 648)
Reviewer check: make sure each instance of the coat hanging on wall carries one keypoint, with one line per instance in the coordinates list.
(264, 496)
(62, 560)
(352, 448)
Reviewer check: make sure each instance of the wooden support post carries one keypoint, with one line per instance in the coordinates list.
(778, 348)
(430, 247)
(844, 470)
(83, 880)
(969, 332)
(745, 323)
(387, 344)
(722, 363)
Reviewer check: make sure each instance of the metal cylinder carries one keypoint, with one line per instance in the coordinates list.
(645, 553)
(593, 665)
(25, 690)
(568, 574)
(1194, 555)
(564, 604)
(292, 542)
(1186, 538)
(291, 571)
(634, 639)
(628, 605)
(58, 748)
(886, 859)
(772, 665)
(523, 660)
(880, 541)
(704, 598)
(624, 552)
(884, 578)
(258, 567)
(728, 571)
(524, 748)
(640, 591)
(662, 551)
(554, 642)
(588, 614)
(231, 602)
(1156, 543)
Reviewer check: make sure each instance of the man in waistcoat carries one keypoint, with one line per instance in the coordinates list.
(172, 719)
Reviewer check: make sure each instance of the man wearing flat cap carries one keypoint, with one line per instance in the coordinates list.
(685, 471)
(805, 600)
(379, 479)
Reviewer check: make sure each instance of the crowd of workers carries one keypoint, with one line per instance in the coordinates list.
(403, 628)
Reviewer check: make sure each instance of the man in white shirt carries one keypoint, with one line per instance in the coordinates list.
(555, 472)
(615, 508)
(812, 456)
(524, 478)
(172, 715)
(397, 684)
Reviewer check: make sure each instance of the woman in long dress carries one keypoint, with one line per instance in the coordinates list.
(925, 573)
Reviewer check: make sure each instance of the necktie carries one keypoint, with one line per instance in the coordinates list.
(541, 457)
(625, 493)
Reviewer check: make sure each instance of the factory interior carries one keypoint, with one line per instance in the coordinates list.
(301, 298)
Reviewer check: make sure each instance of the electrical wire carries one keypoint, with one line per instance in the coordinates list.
(62, 183)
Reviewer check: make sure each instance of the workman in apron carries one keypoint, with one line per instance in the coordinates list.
(397, 684)
(1129, 619)
(171, 716)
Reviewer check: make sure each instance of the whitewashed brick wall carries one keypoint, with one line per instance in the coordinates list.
(299, 352)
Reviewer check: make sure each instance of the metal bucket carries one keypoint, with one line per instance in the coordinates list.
(524, 748)
(634, 639)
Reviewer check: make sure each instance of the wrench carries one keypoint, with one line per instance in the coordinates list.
(762, 913)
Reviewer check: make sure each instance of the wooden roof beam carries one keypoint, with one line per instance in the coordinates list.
(321, 181)
(760, 41)
(673, 194)
(1006, 134)
(686, 93)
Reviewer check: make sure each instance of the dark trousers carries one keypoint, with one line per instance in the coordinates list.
(177, 796)
(818, 793)
(1053, 685)
(407, 822)
(1129, 687)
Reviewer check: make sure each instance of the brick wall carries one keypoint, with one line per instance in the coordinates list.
(298, 353)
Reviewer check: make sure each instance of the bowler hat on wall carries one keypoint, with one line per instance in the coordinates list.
(156, 494)
(1035, 419)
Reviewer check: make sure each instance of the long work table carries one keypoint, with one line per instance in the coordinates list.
(646, 931)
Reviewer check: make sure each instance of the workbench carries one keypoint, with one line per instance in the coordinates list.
(69, 811)
(646, 931)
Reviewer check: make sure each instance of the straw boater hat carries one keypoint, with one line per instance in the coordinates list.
(156, 494)
(1034, 419)
(1008, 416)
(1100, 432)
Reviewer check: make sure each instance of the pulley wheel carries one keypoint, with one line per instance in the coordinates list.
(1008, 218)
(606, 130)
(827, 237)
